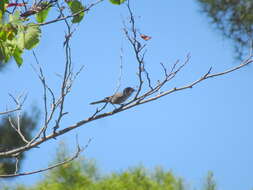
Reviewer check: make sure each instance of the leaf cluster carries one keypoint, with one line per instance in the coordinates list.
(15, 37)
(21, 30)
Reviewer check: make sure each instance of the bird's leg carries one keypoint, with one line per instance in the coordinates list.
(120, 107)
(113, 105)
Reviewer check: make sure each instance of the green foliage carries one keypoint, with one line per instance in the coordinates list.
(234, 18)
(76, 7)
(29, 37)
(18, 32)
(10, 139)
(73, 176)
(17, 54)
(42, 15)
(210, 183)
(15, 37)
(139, 178)
(3, 4)
(83, 174)
(117, 2)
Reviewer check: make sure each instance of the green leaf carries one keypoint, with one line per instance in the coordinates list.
(42, 15)
(2, 53)
(3, 33)
(21, 40)
(117, 2)
(6, 50)
(10, 31)
(15, 18)
(1, 16)
(3, 5)
(75, 7)
(30, 37)
(18, 56)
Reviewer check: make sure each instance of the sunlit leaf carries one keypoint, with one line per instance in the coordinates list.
(3, 4)
(21, 40)
(15, 17)
(3, 33)
(18, 56)
(6, 50)
(30, 37)
(2, 52)
(76, 7)
(42, 15)
(117, 2)
(10, 31)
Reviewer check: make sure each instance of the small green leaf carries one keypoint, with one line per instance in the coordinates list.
(30, 37)
(3, 33)
(11, 31)
(15, 18)
(2, 52)
(18, 56)
(42, 15)
(76, 7)
(3, 6)
(5, 51)
(21, 40)
(117, 2)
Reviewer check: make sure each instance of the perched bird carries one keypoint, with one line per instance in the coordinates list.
(117, 98)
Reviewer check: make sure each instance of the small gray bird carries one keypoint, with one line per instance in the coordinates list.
(117, 98)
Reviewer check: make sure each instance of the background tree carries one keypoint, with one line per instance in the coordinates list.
(83, 174)
(10, 138)
(2, 66)
(210, 183)
(234, 18)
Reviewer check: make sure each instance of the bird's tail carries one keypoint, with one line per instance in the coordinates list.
(101, 101)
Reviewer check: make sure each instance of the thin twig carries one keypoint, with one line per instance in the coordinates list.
(16, 165)
(17, 129)
(70, 16)
(120, 72)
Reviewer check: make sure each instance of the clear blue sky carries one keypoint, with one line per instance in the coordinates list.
(190, 132)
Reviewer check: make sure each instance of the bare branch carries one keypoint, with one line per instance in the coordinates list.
(78, 151)
(16, 165)
(10, 111)
(204, 77)
(129, 105)
(132, 35)
(148, 78)
(19, 101)
(43, 81)
(120, 71)
(67, 73)
(17, 129)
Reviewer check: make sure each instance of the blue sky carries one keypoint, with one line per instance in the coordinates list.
(190, 132)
